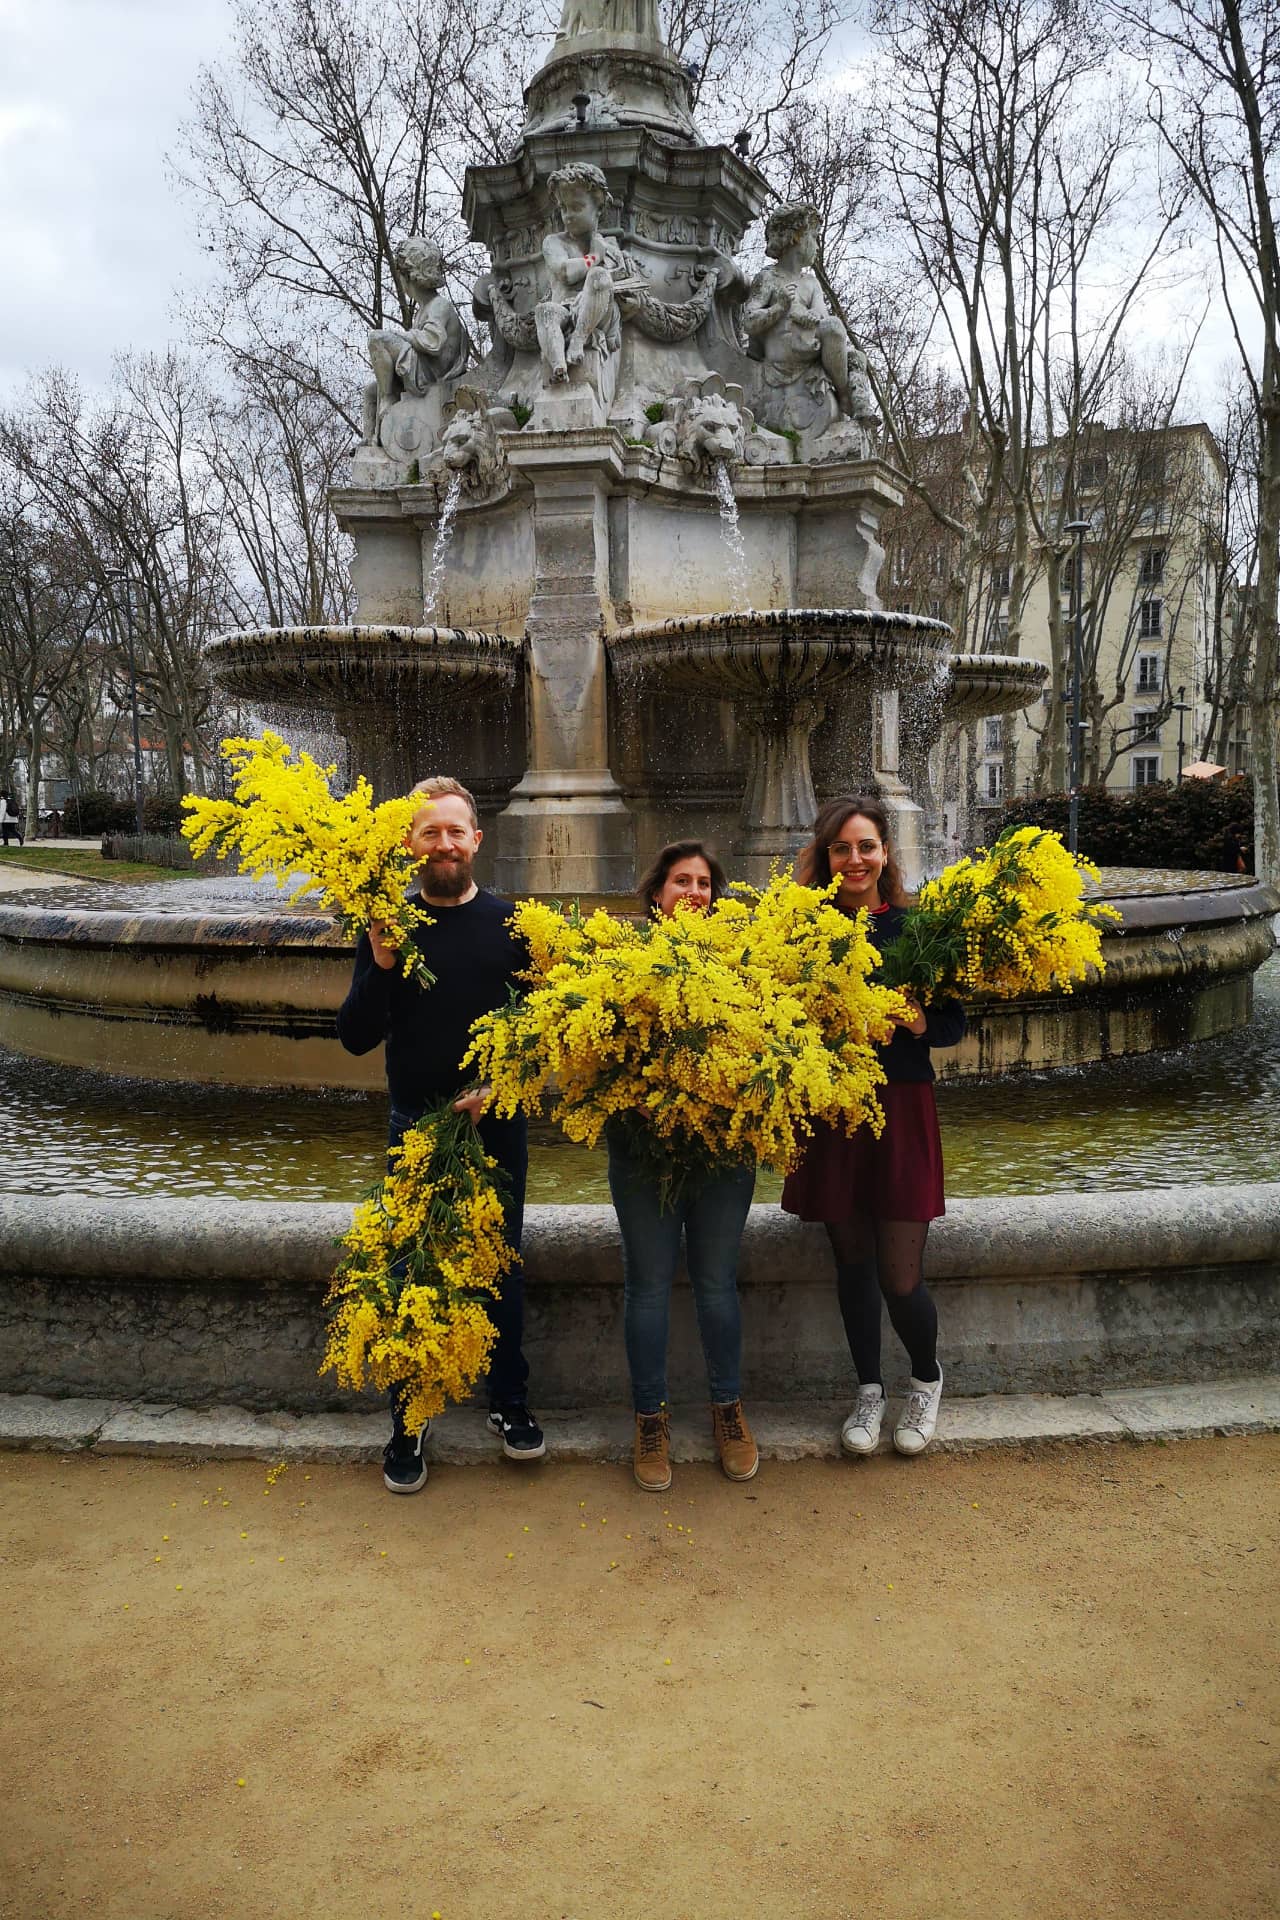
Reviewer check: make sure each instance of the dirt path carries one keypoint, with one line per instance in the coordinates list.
(1016, 1687)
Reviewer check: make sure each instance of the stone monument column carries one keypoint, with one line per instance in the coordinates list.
(566, 828)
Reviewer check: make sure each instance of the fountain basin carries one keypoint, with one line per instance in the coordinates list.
(779, 654)
(319, 666)
(776, 667)
(247, 996)
(984, 684)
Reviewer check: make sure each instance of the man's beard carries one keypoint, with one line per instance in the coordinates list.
(446, 876)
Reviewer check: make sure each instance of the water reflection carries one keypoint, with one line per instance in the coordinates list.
(1210, 1114)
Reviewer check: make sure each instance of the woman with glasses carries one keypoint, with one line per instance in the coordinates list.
(710, 1211)
(876, 1197)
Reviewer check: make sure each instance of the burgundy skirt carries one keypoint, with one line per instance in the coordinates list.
(897, 1177)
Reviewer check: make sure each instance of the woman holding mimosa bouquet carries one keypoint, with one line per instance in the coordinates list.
(1012, 920)
(709, 1212)
(877, 1195)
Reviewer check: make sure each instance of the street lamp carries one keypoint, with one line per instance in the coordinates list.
(1078, 529)
(1181, 706)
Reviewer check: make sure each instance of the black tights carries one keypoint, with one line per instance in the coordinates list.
(875, 1257)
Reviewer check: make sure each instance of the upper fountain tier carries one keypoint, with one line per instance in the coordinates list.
(610, 67)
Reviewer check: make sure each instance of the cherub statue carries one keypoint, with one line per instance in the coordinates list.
(432, 349)
(788, 323)
(590, 278)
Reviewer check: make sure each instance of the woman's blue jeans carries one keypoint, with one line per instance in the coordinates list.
(711, 1215)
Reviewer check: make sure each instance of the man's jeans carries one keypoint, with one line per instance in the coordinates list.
(711, 1215)
(507, 1142)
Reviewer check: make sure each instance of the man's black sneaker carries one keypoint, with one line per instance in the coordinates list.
(403, 1468)
(520, 1433)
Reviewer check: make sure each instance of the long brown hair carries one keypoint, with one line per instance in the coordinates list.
(653, 879)
(813, 868)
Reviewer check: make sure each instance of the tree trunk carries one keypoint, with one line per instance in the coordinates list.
(36, 738)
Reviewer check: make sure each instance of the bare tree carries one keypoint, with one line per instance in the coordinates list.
(47, 607)
(1232, 537)
(1214, 70)
(335, 127)
(275, 449)
(126, 483)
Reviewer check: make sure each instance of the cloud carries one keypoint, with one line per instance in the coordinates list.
(92, 238)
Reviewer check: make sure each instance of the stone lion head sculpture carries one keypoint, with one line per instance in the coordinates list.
(470, 448)
(702, 426)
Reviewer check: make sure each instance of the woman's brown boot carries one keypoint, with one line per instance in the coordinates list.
(651, 1462)
(738, 1456)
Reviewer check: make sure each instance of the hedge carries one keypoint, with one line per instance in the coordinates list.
(1202, 824)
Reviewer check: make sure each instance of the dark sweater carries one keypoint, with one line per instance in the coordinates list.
(475, 958)
(905, 1058)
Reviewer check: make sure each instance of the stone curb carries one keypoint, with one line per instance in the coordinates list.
(460, 1438)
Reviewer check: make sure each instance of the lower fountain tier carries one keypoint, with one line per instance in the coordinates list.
(249, 998)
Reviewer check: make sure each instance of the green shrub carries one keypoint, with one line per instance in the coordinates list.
(162, 814)
(87, 814)
(1202, 824)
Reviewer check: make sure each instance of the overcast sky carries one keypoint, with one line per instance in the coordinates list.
(92, 238)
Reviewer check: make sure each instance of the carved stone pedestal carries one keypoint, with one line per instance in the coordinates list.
(567, 828)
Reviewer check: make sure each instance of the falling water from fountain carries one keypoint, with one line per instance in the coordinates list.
(440, 551)
(731, 534)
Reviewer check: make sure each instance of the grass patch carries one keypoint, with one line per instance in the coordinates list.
(83, 863)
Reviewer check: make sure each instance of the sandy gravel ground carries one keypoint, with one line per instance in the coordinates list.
(1021, 1687)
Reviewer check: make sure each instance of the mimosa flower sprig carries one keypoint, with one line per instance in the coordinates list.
(407, 1303)
(284, 821)
(717, 1038)
(1011, 920)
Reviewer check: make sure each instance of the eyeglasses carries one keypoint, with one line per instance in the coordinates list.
(843, 848)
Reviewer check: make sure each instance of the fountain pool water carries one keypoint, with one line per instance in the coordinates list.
(1123, 1124)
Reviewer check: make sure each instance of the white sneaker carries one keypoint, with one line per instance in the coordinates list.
(919, 1417)
(861, 1431)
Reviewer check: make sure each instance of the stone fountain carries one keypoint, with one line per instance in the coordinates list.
(568, 493)
(619, 572)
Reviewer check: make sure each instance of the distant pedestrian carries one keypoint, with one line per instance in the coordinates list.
(10, 819)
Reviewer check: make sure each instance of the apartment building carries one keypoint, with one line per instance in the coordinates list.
(1152, 617)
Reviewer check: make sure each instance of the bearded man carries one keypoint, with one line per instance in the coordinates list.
(476, 959)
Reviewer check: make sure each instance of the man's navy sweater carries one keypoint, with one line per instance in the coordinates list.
(475, 958)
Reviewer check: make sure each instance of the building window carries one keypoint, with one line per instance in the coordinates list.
(1091, 471)
(994, 742)
(1144, 728)
(1000, 583)
(1146, 769)
(1150, 474)
(1149, 675)
(994, 775)
(1150, 615)
(1151, 572)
